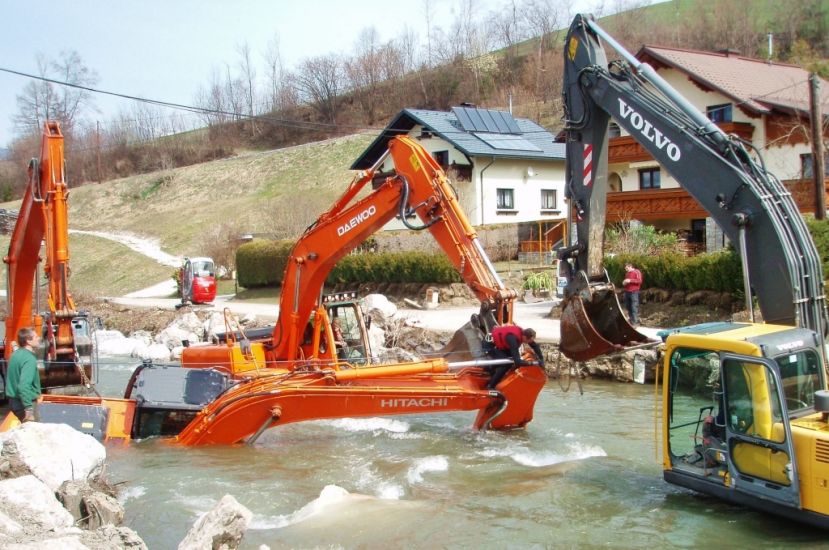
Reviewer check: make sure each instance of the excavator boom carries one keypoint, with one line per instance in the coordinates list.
(43, 218)
(419, 187)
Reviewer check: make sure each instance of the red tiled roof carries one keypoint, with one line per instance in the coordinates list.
(757, 85)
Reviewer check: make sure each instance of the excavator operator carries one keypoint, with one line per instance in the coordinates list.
(506, 344)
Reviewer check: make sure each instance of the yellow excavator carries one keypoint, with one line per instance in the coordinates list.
(745, 410)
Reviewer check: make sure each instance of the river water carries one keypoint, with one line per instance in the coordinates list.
(582, 475)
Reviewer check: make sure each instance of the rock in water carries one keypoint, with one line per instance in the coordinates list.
(54, 453)
(222, 528)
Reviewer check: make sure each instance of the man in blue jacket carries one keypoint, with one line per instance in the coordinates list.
(22, 378)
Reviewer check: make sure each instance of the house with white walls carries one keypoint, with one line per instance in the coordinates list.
(764, 103)
(505, 170)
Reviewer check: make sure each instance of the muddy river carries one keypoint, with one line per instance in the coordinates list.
(584, 474)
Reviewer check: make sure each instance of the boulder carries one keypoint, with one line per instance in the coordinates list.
(55, 453)
(90, 508)
(71, 494)
(379, 307)
(60, 542)
(110, 536)
(213, 325)
(153, 352)
(376, 338)
(120, 346)
(27, 501)
(221, 528)
(143, 336)
(186, 327)
(102, 509)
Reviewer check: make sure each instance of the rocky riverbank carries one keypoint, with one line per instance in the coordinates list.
(54, 493)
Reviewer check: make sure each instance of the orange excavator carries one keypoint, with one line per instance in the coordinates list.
(68, 357)
(231, 392)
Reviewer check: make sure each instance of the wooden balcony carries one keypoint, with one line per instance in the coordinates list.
(656, 204)
(624, 149)
(661, 204)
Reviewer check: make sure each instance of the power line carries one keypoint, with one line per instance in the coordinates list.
(299, 124)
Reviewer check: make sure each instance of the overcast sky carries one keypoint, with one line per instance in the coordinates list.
(167, 49)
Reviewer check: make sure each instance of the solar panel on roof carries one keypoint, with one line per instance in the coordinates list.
(507, 142)
(484, 120)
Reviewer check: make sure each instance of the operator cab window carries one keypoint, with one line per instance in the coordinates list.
(800, 379)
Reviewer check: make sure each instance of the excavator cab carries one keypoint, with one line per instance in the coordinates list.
(740, 407)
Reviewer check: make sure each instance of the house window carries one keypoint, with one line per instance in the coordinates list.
(548, 199)
(719, 113)
(807, 166)
(613, 130)
(649, 178)
(442, 158)
(505, 199)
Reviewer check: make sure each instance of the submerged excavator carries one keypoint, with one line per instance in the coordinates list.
(232, 391)
(68, 358)
(758, 435)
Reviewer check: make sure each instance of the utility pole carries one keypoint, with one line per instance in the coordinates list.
(98, 146)
(818, 169)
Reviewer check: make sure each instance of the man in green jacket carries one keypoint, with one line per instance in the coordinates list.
(22, 378)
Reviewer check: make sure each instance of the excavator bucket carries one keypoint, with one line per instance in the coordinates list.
(594, 327)
(467, 342)
(465, 345)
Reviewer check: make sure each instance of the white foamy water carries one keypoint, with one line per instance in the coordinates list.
(131, 493)
(390, 491)
(373, 424)
(331, 495)
(424, 465)
(547, 458)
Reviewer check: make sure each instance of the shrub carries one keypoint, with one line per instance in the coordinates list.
(719, 271)
(639, 239)
(820, 234)
(394, 267)
(541, 280)
(262, 263)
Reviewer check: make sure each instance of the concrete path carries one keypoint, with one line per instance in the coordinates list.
(444, 319)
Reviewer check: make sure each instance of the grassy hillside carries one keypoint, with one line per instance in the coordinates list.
(185, 208)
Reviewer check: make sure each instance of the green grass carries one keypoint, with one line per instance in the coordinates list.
(258, 295)
(184, 207)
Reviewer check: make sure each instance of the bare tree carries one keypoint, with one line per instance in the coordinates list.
(40, 100)
(248, 82)
(282, 94)
(364, 71)
(320, 81)
(428, 9)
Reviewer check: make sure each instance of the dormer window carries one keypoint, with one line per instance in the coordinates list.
(719, 113)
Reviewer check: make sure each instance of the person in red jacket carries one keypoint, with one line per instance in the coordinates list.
(506, 344)
(632, 283)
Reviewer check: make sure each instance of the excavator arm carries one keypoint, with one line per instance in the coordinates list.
(43, 218)
(419, 187)
(722, 172)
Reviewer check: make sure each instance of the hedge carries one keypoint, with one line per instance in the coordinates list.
(394, 267)
(720, 271)
(262, 263)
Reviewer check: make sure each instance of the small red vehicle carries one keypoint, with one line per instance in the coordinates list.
(198, 281)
